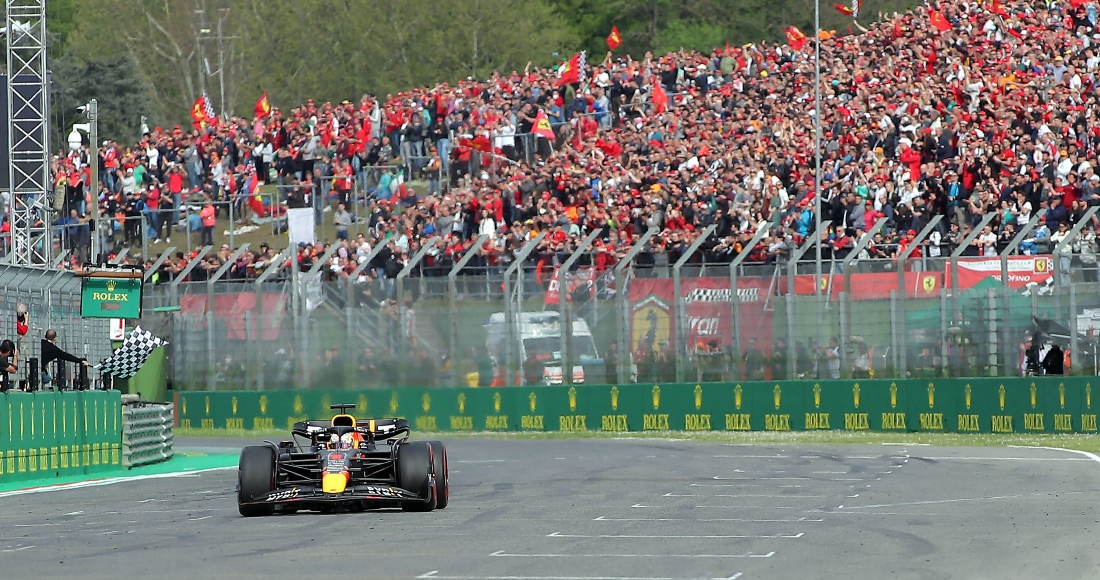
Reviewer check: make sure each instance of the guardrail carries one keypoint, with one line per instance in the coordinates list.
(147, 433)
(993, 405)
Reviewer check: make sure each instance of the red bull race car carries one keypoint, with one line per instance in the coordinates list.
(343, 464)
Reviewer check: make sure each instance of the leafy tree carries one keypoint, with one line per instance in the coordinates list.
(122, 95)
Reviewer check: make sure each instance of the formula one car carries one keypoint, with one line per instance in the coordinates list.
(344, 464)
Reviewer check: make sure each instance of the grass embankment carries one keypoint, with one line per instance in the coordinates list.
(1085, 442)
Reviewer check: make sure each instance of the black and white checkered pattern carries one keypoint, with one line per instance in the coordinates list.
(128, 358)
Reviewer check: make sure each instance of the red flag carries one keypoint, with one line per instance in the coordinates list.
(263, 107)
(572, 71)
(1076, 3)
(613, 39)
(727, 53)
(999, 10)
(542, 126)
(896, 33)
(201, 113)
(795, 38)
(1015, 32)
(939, 21)
(660, 97)
(845, 10)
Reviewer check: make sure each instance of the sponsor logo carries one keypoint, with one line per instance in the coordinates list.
(283, 495)
(381, 491)
(722, 295)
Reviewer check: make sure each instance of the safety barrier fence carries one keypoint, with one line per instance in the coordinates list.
(59, 434)
(147, 433)
(989, 405)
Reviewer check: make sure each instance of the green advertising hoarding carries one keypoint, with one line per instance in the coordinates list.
(1024, 405)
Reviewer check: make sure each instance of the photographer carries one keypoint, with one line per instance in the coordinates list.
(9, 363)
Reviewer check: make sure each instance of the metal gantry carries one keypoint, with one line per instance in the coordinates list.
(28, 133)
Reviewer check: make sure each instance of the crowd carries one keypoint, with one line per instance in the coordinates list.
(991, 109)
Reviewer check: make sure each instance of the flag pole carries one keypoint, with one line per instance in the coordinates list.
(817, 173)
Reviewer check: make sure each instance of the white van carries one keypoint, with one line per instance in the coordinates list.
(540, 337)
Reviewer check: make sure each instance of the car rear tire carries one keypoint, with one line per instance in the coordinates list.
(414, 467)
(442, 477)
(256, 479)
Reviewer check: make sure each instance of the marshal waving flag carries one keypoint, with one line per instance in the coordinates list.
(128, 359)
(572, 71)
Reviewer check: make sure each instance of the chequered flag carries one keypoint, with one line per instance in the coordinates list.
(211, 116)
(128, 358)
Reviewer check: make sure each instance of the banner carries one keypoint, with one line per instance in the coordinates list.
(574, 281)
(1023, 271)
(709, 312)
(869, 286)
(300, 223)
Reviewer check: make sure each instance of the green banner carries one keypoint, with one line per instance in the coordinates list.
(983, 405)
(45, 435)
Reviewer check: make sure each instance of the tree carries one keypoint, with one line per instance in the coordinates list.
(123, 96)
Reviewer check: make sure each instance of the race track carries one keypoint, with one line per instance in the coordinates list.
(580, 509)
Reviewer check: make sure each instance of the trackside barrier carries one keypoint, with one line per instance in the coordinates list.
(59, 434)
(147, 433)
(995, 405)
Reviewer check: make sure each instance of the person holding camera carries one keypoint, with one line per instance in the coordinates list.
(9, 363)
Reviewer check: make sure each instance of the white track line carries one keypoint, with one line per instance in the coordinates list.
(109, 481)
(503, 554)
(954, 458)
(1090, 456)
(771, 495)
(434, 575)
(747, 520)
(957, 500)
(673, 537)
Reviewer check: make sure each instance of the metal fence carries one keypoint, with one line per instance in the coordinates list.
(649, 318)
(51, 299)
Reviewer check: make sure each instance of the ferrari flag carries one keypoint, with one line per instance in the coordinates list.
(263, 106)
(613, 39)
(542, 126)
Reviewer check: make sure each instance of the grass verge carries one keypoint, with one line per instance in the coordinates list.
(1082, 442)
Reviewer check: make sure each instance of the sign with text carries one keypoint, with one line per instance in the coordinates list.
(103, 297)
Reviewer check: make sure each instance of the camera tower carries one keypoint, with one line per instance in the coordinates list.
(28, 134)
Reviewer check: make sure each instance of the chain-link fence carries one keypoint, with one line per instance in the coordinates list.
(495, 314)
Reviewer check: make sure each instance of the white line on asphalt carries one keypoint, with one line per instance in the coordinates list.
(17, 549)
(147, 500)
(956, 500)
(830, 472)
(908, 444)
(109, 481)
(503, 554)
(752, 456)
(746, 520)
(1091, 456)
(32, 525)
(486, 460)
(75, 514)
(718, 478)
(742, 495)
(746, 507)
(670, 537)
(740, 485)
(434, 574)
(197, 519)
(1004, 458)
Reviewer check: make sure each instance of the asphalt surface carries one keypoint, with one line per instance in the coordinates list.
(585, 509)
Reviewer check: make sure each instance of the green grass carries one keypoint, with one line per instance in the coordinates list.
(1083, 442)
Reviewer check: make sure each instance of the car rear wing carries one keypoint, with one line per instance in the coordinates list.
(390, 428)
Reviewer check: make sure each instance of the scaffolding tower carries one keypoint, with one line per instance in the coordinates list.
(28, 133)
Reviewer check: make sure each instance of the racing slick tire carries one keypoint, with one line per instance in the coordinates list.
(442, 485)
(256, 479)
(414, 466)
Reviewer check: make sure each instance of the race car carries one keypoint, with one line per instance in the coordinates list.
(344, 464)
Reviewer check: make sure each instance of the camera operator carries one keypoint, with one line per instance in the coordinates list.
(9, 363)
